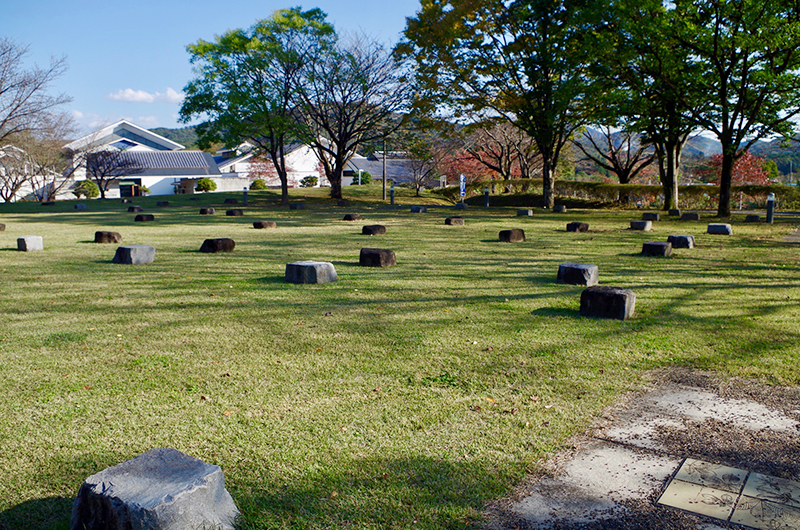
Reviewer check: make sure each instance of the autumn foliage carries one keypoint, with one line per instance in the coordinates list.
(749, 169)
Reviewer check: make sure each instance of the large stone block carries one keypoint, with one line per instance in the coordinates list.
(134, 209)
(376, 257)
(577, 227)
(720, 229)
(297, 206)
(265, 224)
(651, 216)
(454, 221)
(351, 217)
(80, 206)
(220, 244)
(2, 227)
(461, 206)
(310, 272)
(373, 230)
(207, 211)
(144, 218)
(30, 243)
(230, 201)
(578, 274)
(162, 489)
(681, 241)
(515, 235)
(656, 248)
(690, 216)
(675, 212)
(525, 212)
(419, 209)
(48, 203)
(559, 208)
(135, 254)
(608, 302)
(752, 218)
(234, 213)
(126, 201)
(642, 225)
(107, 237)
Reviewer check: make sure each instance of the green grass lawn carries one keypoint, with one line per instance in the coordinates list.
(402, 397)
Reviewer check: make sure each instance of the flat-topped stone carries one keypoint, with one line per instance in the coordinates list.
(559, 208)
(601, 301)
(651, 216)
(525, 212)
(454, 221)
(207, 211)
(578, 274)
(419, 209)
(265, 224)
(377, 257)
(162, 489)
(373, 230)
(102, 236)
(351, 217)
(219, 244)
(80, 206)
(515, 235)
(162, 204)
(30, 243)
(681, 241)
(690, 216)
(461, 206)
(134, 209)
(752, 218)
(645, 226)
(2, 227)
(310, 272)
(144, 218)
(297, 206)
(674, 212)
(720, 229)
(657, 248)
(230, 201)
(234, 213)
(576, 226)
(135, 254)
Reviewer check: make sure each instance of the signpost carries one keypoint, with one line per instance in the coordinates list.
(463, 183)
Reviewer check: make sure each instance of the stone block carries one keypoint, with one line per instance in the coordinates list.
(559, 208)
(752, 218)
(162, 489)
(577, 227)
(310, 272)
(297, 206)
(2, 227)
(674, 212)
(681, 241)
(126, 201)
(343, 203)
(720, 229)
(351, 217)
(80, 206)
(134, 209)
(608, 302)
(645, 226)
(234, 213)
(265, 224)
(162, 204)
(207, 211)
(48, 203)
(419, 209)
(376, 257)
(578, 274)
(230, 201)
(107, 237)
(135, 254)
(30, 243)
(461, 206)
(220, 244)
(373, 230)
(144, 218)
(657, 248)
(525, 213)
(690, 216)
(515, 235)
(651, 216)
(454, 221)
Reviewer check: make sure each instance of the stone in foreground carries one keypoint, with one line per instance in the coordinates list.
(559, 208)
(681, 241)
(134, 209)
(373, 230)
(651, 216)
(720, 229)
(657, 248)
(265, 224)
(80, 206)
(377, 257)
(645, 226)
(310, 272)
(135, 254)
(690, 216)
(234, 213)
(220, 244)
(515, 235)
(419, 209)
(752, 218)
(162, 489)
(454, 221)
(351, 217)
(144, 218)
(107, 237)
(577, 227)
(578, 274)
(2, 227)
(207, 211)
(524, 213)
(30, 243)
(607, 302)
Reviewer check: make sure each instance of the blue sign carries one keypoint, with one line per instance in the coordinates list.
(463, 180)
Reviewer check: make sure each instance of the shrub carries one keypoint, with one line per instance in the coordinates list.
(258, 184)
(86, 188)
(309, 182)
(366, 178)
(205, 185)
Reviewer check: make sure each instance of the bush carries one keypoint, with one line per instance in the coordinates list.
(258, 184)
(205, 185)
(86, 188)
(366, 178)
(309, 182)
(144, 189)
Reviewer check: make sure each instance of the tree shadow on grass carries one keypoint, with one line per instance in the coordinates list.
(51, 513)
(556, 312)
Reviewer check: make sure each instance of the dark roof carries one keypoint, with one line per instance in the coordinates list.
(397, 169)
(172, 163)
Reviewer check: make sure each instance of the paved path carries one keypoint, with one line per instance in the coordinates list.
(793, 237)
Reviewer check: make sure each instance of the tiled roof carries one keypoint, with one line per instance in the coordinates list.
(177, 163)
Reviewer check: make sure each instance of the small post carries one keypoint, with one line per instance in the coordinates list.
(770, 207)
(486, 197)
(244, 196)
(391, 195)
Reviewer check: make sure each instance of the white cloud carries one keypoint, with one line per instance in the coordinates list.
(147, 121)
(140, 96)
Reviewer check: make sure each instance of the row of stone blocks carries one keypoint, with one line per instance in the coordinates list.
(324, 272)
(597, 301)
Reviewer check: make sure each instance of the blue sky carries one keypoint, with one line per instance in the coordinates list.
(128, 59)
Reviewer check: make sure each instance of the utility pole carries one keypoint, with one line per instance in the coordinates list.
(384, 168)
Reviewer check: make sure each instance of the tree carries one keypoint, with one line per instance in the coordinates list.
(15, 172)
(749, 169)
(247, 83)
(25, 104)
(258, 184)
(505, 149)
(86, 188)
(105, 165)
(621, 153)
(205, 185)
(350, 96)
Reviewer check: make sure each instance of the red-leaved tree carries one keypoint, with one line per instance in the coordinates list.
(749, 169)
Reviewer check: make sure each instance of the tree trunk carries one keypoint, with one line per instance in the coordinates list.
(336, 182)
(726, 177)
(547, 182)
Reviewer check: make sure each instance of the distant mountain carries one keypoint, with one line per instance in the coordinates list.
(702, 146)
(186, 136)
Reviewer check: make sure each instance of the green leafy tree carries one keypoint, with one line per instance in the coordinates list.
(247, 83)
(363, 176)
(258, 184)
(309, 182)
(86, 188)
(205, 185)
